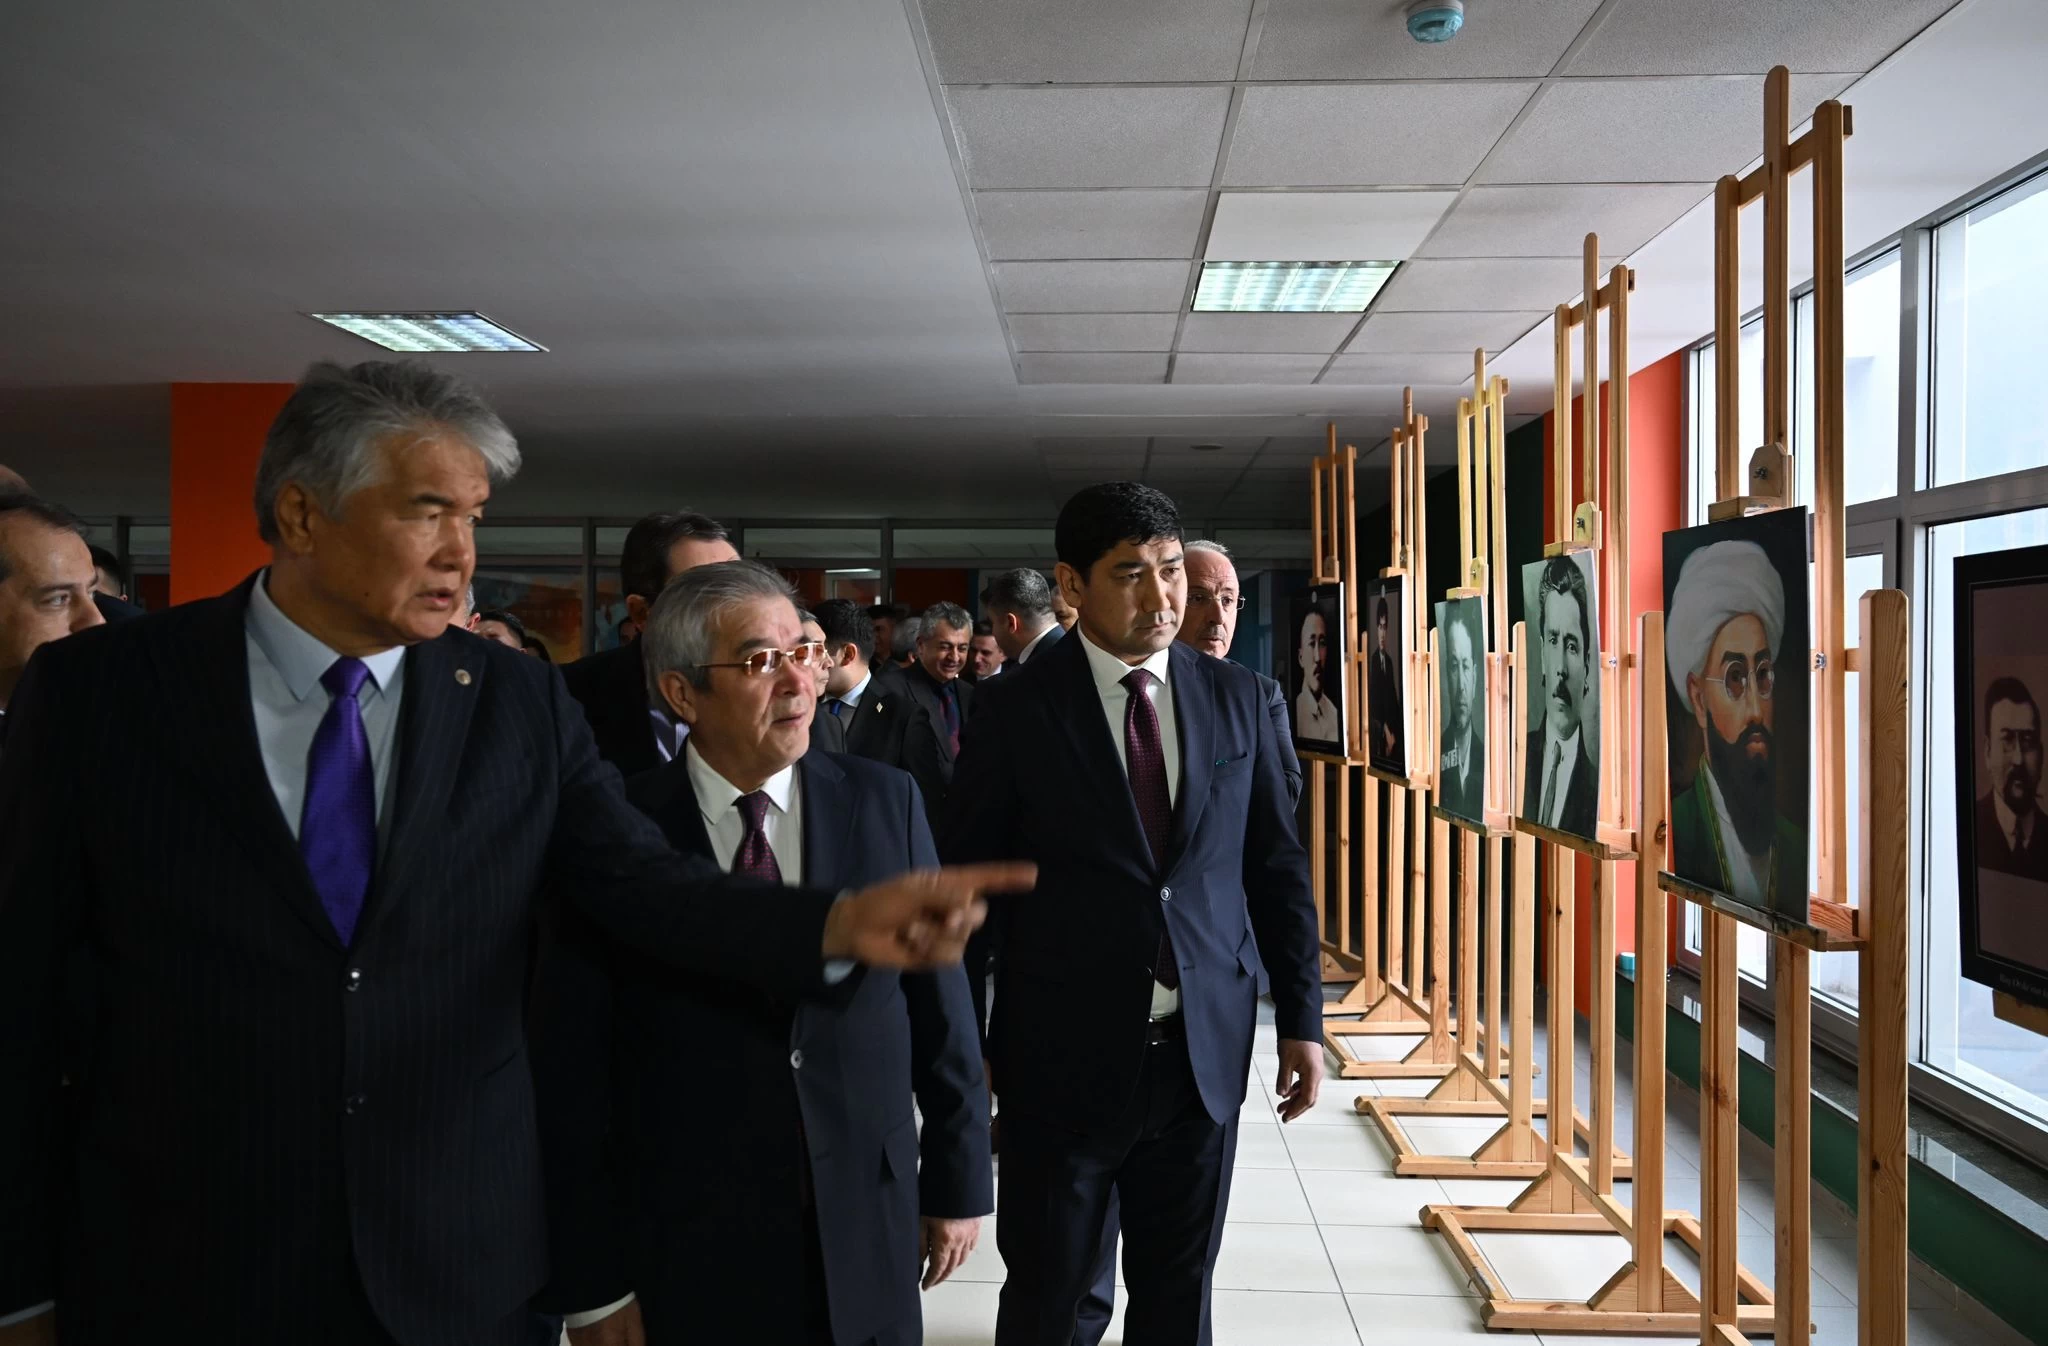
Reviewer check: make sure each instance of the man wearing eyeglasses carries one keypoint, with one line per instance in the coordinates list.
(1726, 619)
(805, 1205)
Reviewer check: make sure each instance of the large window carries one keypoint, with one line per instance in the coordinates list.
(1972, 477)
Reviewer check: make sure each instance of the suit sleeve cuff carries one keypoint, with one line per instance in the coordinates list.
(23, 1315)
(590, 1316)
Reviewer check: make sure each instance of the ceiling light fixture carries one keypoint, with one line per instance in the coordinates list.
(1435, 20)
(1289, 287)
(443, 333)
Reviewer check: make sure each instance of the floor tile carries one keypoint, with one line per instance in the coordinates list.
(1448, 1135)
(1406, 1088)
(1481, 1191)
(1267, 1196)
(1553, 1266)
(1274, 1257)
(1275, 1318)
(1417, 1320)
(1394, 1261)
(1260, 1145)
(961, 1313)
(1381, 1046)
(1360, 1148)
(1369, 1198)
(1334, 1107)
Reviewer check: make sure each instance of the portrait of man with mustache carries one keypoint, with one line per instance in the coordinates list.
(1461, 681)
(1725, 648)
(2012, 834)
(1562, 765)
(1384, 700)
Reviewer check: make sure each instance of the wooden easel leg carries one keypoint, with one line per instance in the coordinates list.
(1400, 884)
(1467, 942)
(1522, 1002)
(1601, 1028)
(1440, 946)
(1562, 1087)
(1371, 986)
(1881, 975)
(1793, 1153)
(1496, 1048)
(1720, 1128)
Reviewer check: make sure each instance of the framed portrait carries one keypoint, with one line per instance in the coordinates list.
(1386, 674)
(1737, 672)
(2001, 654)
(1315, 673)
(1461, 692)
(1561, 747)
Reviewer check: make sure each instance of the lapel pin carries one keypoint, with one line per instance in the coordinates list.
(462, 677)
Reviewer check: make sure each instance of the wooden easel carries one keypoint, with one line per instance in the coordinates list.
(1333, 533)
(1575, 1195)
(1388, 997)
(1875, 927)
(1473, 1088)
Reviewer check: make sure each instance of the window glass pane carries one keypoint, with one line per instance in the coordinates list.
(527, 539)
(1964, 1040)
(1834, 974)
(1990, 326)
(824, 544)
(549, 602)
(1705, 421)
(1870, 388)
(1019, 545)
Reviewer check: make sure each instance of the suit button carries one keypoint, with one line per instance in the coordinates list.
(1166, 894)
(354, 1104)
(355, 979)
(796, 1060)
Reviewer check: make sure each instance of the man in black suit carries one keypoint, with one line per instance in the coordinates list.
(1019, 604)
(1461, 770)
(940, 699)
(1562, 789)
(1388, 722)
(1146, 781)
(799, 1212)
(46, 584)
(828, 732)
(2012, 832)
(870, 702)
(884, 618)
(633, 732)
(310, 1117)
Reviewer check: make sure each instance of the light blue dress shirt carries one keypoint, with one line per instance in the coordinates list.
(285, 666)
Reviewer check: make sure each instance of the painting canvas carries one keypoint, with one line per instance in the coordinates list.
(1386, 661)
(1315, 692)
(1735, 620)
(1461, 692)
(2001, 652)
(1561, 749)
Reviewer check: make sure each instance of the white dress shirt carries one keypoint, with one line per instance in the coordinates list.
(1110, 672)
(1032, 647)
(1553, 809)
(1749, 876)
(853, 695)
(1315, 717)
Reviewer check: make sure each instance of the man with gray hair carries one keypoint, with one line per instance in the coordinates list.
(313, 948)
(931, 739)
(1721, 649)
(1019, 607)
(807, 1208)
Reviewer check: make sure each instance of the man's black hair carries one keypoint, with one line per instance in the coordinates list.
(1097, 519)
(1561, 576)
(511, 621)
(895, 612)
(2013, 690)
(643, 561)
(845, 623)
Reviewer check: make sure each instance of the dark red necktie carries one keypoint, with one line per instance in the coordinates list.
(753, 859)
(1145, 763)
(949, 700)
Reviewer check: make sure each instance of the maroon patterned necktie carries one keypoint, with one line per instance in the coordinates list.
(1145, 763)
(753, 859)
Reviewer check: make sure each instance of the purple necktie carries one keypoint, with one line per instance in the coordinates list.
(754, 859)
(338, 827)
(1145, 763)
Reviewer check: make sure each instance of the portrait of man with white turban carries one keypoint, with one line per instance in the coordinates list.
(1735, 653)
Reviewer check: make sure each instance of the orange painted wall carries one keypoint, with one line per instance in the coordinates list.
(921, 587)
(217, 434)
(1656, 427)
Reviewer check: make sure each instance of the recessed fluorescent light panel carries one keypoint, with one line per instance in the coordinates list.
(430, 332)
(1289, 287)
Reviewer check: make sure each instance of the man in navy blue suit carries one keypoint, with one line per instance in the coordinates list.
(808, 1206)
(1146, 781)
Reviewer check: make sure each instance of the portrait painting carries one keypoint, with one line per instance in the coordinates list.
(1737, 665)
(1561, 752)
(1386, 679)
(1316, 671)
(1461, 692)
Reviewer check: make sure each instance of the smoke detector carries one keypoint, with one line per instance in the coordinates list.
(1435, 20)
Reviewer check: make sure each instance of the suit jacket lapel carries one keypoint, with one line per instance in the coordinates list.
(1077, 710)
(443, 679)
(828, 840)
(209, 675)
(1194, 715)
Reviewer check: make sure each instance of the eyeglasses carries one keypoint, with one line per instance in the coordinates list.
(810, 654)
(1228, 602)
(1735, 685)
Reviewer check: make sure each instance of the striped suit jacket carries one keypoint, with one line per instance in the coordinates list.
(267, 1123)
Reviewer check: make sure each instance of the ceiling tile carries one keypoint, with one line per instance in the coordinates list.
(1424, 286)
(1338, 135)
(1403, 333)
(1135, 368)
(1341, 39)
(1090, 224)
(1322, 226)
(1234, 450)
(1552, 221)
(1268, 333)
(1646, 130)
(1061, 137)
(1686, 37)
(1247, 368)
(1092, 287)
(1396, 371)
(1085, 41)
(1093, 331)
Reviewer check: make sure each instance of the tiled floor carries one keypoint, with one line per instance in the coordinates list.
(1324, 1247)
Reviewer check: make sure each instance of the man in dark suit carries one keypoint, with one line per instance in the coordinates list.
(1461, 771)
(2012, 832)
(46, 584)
(1388, 721)
(868, 701)
(940, 700)
(799, 1212)
(828, 732)
(633, 733)
(1562, 789)
(1146, 780)
(310, 1117)
(1019, 604)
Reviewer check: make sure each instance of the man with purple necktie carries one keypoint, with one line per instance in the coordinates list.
(308, 1115)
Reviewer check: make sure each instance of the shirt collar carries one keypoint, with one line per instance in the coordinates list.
(716, 794)
(300, 657)
(1571, 746)
(858, 690)
(2009, 822)
(1111, 671)
(1031, 645)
